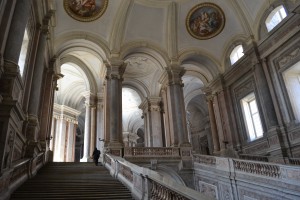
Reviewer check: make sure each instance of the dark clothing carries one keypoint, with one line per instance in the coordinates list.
(96, 155)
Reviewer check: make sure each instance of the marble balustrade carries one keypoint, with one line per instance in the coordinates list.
(147, 184)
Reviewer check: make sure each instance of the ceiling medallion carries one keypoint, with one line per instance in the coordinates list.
(85, 10)
(205, 21)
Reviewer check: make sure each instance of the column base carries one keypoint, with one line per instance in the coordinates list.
(86, 159)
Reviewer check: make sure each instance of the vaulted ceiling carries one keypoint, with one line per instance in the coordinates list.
(149, 35)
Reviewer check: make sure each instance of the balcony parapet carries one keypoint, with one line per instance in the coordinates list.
(148, 184)
(279, 160)
(151, 152)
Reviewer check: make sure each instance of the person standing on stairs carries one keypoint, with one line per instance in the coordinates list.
(96, 155)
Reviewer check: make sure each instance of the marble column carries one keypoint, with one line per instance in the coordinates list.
(107, 107)
(17, 30)
(100, 139)
(53, 131)
(171, 79)
(35, 93)
(153, 127)
(93, 129)
(87, 129)
(219, 123)
(60, 138)
(47, 106)
(116, 70)
(64, 137)
(214, 130)
(166, 122)
(6, 12)
(70, 146)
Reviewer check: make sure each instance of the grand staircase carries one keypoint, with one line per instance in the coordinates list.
(72, 181)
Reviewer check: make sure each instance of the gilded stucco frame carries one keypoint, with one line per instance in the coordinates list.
(97, 14)
(201, 9)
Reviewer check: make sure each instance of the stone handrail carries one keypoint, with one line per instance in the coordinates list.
(254, 157)
(148, 184)
(18, 173)
(280, 160)
(294, 161)
(210, 160)
(20, 169)
(151, 152)
(159, 191)
(265, 169)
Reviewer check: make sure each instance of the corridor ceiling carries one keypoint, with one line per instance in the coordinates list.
(149, 35)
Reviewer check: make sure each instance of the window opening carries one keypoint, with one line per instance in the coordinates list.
(23, 54)
(236, 54)
(275, 17)
(251, 117)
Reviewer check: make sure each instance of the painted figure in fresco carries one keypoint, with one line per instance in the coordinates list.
(205, 23)
(84, 7)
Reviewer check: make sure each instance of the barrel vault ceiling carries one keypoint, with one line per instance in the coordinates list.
(149, 35)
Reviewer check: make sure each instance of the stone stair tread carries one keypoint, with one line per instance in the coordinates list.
(72, 181)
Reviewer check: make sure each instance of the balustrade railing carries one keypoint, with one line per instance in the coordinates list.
(294, 161)
(148, 184)
(210, 160)
(263, 169)
(160, 192)
(280, 160)
(151, 152)
(107, 159)
(254, 157)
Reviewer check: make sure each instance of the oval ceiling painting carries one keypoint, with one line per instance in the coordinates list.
(205, 21)
(85, 10)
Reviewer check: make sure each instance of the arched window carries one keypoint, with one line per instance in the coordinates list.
(275, 17)
(236, 54)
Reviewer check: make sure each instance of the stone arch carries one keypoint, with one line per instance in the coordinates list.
(81, 66)
(146, 48)
(82, 39)
(231, 44)
(168, 172)
(206, 65)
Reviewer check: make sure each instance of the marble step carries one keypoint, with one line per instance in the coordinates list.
(72, 181)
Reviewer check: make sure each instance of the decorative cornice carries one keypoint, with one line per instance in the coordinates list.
(66, 118)
(65, 110)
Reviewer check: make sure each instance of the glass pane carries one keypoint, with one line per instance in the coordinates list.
(23, 53)
(253, 106)
(282, 12)
(275, 17)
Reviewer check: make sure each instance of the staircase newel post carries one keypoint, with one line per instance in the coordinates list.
(147, 187)
(117, 168)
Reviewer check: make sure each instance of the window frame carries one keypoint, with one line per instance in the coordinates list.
(247, 111)
(235, 51)
(270, 17)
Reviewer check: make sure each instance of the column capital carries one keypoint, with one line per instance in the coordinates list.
(90, 98)
(151, 104)
(172, 75)
(115, 68)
